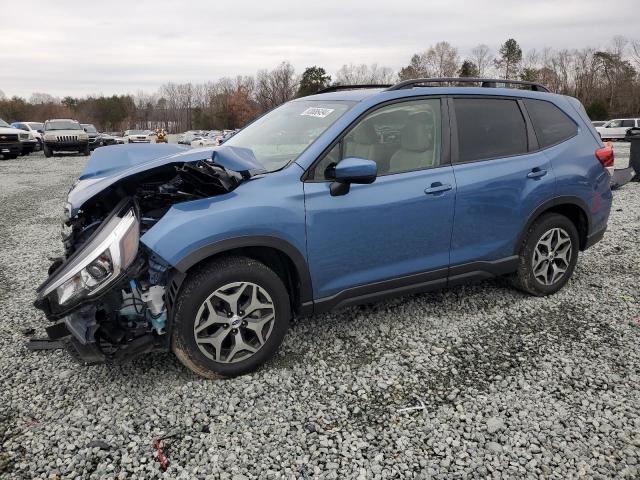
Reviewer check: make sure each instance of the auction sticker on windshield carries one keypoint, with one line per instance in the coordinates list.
(317, 112)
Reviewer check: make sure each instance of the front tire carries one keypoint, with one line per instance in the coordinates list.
(548, 255)
(231, 316)
(47, 151)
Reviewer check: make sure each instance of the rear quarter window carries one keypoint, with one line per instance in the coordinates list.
(550, 123)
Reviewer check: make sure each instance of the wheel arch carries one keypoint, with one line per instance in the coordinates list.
(574, 208)
(278, 254)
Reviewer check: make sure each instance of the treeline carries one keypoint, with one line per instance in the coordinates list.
(606, 81)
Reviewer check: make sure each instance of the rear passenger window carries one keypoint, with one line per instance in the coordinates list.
(489, 128)
(551, 124)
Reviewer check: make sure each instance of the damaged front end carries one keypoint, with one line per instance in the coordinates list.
(108, 293)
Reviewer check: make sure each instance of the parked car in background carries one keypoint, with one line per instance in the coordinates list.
(617, 128)
(187, 137)
(64, 135)
(94, 136)
(117, 137)
(35, 136)
(29, 144)
(210, 252)
(136, 136)
(598, 123)
(203, 142)
(633, 132)
(10, 141)
(227, 135)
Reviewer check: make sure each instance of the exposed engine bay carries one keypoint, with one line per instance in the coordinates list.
(108, 291)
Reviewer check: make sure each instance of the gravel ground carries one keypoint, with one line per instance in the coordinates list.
(507, 385)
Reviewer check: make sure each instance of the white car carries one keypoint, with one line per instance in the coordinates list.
(35, 130)
(617, 128)
(136, 136)
(203, 142)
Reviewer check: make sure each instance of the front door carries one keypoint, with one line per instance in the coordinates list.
(396, 227)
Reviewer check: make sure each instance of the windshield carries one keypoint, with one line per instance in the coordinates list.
(4, 124)
(136, 132)
(36, 125)
(90, 128)
(62, 125)
(280, 136)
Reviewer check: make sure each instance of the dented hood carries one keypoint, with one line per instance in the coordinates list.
(109, 165)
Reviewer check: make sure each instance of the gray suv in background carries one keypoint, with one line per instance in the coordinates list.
(94, 136)
(65, 135)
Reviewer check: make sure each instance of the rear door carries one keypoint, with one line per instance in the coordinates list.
(501, 178)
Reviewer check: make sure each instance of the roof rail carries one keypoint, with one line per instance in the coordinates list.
(484, 82)
(335, 88)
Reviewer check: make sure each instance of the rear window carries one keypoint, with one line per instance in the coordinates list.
(550, 123)
(489, 128)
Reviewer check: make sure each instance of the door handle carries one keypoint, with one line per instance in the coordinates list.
(537, 173)
(437, 187)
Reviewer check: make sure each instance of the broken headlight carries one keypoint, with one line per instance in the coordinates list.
(109, 251)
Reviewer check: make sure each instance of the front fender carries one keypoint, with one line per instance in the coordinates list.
(265, 211)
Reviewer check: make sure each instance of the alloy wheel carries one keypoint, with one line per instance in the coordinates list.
(552, 256)
(234, 322)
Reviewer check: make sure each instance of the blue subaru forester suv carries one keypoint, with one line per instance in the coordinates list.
(340, 198)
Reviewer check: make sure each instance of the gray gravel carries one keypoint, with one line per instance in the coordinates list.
(503, 385)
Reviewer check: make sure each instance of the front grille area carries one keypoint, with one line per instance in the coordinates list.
(67, 138)
(8, 137)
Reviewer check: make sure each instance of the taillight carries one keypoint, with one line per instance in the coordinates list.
(605, 157)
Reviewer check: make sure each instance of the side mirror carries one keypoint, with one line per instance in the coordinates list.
(353, 170)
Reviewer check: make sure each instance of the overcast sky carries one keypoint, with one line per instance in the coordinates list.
(77, 48)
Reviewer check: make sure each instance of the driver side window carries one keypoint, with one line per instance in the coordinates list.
(400, 137)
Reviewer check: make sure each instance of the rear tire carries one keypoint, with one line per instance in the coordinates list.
(548, 255)
(224, 306)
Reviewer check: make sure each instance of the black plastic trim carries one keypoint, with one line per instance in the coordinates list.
(481, 270)
(420, 282)
(485, 82)
(298, 259)
(594, 238)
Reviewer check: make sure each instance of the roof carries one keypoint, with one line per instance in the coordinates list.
(362, 94)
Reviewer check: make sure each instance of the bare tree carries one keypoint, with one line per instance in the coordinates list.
(38, 98)
(635, 52)
(276, 86)
(364, 74)
(483, 58)
(443, 59)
